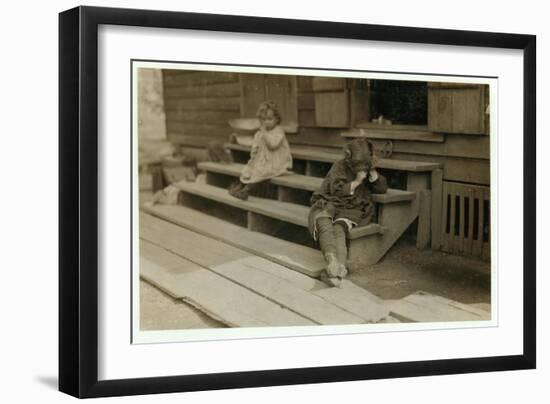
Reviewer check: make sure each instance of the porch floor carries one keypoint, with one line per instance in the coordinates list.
(404, 271)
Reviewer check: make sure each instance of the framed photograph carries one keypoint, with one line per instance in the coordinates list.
(251, 201)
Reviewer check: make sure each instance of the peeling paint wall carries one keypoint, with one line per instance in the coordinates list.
(151, 117)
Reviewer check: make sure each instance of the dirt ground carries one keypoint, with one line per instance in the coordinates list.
(403, 271)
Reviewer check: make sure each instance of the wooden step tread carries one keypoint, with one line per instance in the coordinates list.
(304, 182)
(284, 211)
(327, 156)
(243, 269)
(291, 255)
(214, 295)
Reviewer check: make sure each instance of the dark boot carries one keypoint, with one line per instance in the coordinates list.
(239, 190)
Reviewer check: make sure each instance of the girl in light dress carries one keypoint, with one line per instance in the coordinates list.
(270, 154)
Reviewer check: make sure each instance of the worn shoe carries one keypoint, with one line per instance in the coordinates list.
(333, 265)
(239, 190)
(331, 281)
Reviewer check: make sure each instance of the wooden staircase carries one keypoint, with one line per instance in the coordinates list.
(397, 209)
(283, 211)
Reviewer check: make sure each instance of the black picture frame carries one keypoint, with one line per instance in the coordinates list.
(78, 200)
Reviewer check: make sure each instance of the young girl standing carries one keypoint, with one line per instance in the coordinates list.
(270, 154)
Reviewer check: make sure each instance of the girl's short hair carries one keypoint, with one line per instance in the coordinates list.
(268, 106)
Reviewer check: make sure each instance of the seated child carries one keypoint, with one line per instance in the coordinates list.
(342, 202)
(270, 153)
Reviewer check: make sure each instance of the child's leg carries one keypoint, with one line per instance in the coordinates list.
(327, 241)
(341, 246)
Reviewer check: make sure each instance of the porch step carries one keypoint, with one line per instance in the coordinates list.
(310, 153)
(283, 211)
(291, 255)
(301, 182)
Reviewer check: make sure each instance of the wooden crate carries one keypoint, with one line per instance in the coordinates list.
(465, 220)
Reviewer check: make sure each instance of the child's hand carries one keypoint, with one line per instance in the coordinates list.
(373, 175)
(360, 176)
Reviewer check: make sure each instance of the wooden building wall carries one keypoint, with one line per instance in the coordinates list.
(199, 104)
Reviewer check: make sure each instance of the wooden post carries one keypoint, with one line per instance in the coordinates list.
(437, 196)
(418, 181)
(424, 220)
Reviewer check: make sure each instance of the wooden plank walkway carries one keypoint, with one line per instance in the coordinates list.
(308, 297)
(241, 289)
(214, 295)
(297, 257)
(425, 307)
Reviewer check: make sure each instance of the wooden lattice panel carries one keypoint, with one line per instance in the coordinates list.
(466, 224)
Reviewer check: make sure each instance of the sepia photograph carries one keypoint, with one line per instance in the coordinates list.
(292, 198)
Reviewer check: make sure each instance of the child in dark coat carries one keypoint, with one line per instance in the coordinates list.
(343, 202)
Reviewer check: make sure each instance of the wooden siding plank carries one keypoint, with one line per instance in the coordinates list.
(468, 112)
(204, 117)
(388, 134)
(199, 78)
(455, 169)
(207, 129)
(440, 107)
(332, 109)
(200, 141)
(252, 91)
(306, 118)
(209, 91)
(454, 145)
(305, 83)
(330, 84)
(306, 101)
(282, 90)
(203, 104)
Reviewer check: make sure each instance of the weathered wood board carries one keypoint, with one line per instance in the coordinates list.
(299, 258)
(247, 273)
(302, 182)
(425, 307)
(221, 299)
(299, 293)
